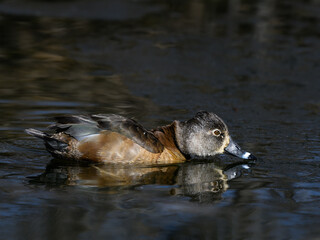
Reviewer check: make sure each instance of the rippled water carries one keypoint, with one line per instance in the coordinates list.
(254, 63)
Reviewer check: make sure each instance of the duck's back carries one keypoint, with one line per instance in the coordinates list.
(110, 138)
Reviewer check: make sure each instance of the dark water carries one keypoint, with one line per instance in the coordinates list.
(254, 63)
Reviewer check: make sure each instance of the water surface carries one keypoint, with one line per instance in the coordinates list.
(254, 63)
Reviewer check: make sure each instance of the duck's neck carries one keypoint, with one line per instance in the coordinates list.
(189, 140)
(179, 128)
(171, 137)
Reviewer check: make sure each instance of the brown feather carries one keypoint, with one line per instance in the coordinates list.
(111, 138)
(112, 147)
(131, 129)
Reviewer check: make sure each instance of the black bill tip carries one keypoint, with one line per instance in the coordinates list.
(252, 157)
(248, 156)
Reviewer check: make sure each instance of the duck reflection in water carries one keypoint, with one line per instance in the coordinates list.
(202, 182)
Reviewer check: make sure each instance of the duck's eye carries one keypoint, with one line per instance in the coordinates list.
(216, 132)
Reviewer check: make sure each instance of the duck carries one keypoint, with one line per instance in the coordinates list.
(115, 139)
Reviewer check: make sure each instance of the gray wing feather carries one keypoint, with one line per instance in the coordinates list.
(77, 126)
(131, 129)
(81, 127)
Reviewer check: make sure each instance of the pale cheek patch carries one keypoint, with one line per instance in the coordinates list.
(226, 143)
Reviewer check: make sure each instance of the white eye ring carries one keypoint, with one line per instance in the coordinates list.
(216, 132)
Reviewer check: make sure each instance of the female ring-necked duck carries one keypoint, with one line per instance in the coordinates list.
(110, 138)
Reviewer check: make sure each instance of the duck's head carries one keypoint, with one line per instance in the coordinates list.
(206, 135)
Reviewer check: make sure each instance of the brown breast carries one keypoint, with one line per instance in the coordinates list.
(113, 147)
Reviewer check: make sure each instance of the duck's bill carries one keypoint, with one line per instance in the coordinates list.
(234, 149)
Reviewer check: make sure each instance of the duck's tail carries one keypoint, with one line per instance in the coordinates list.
(53, 144)
(37, 133)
